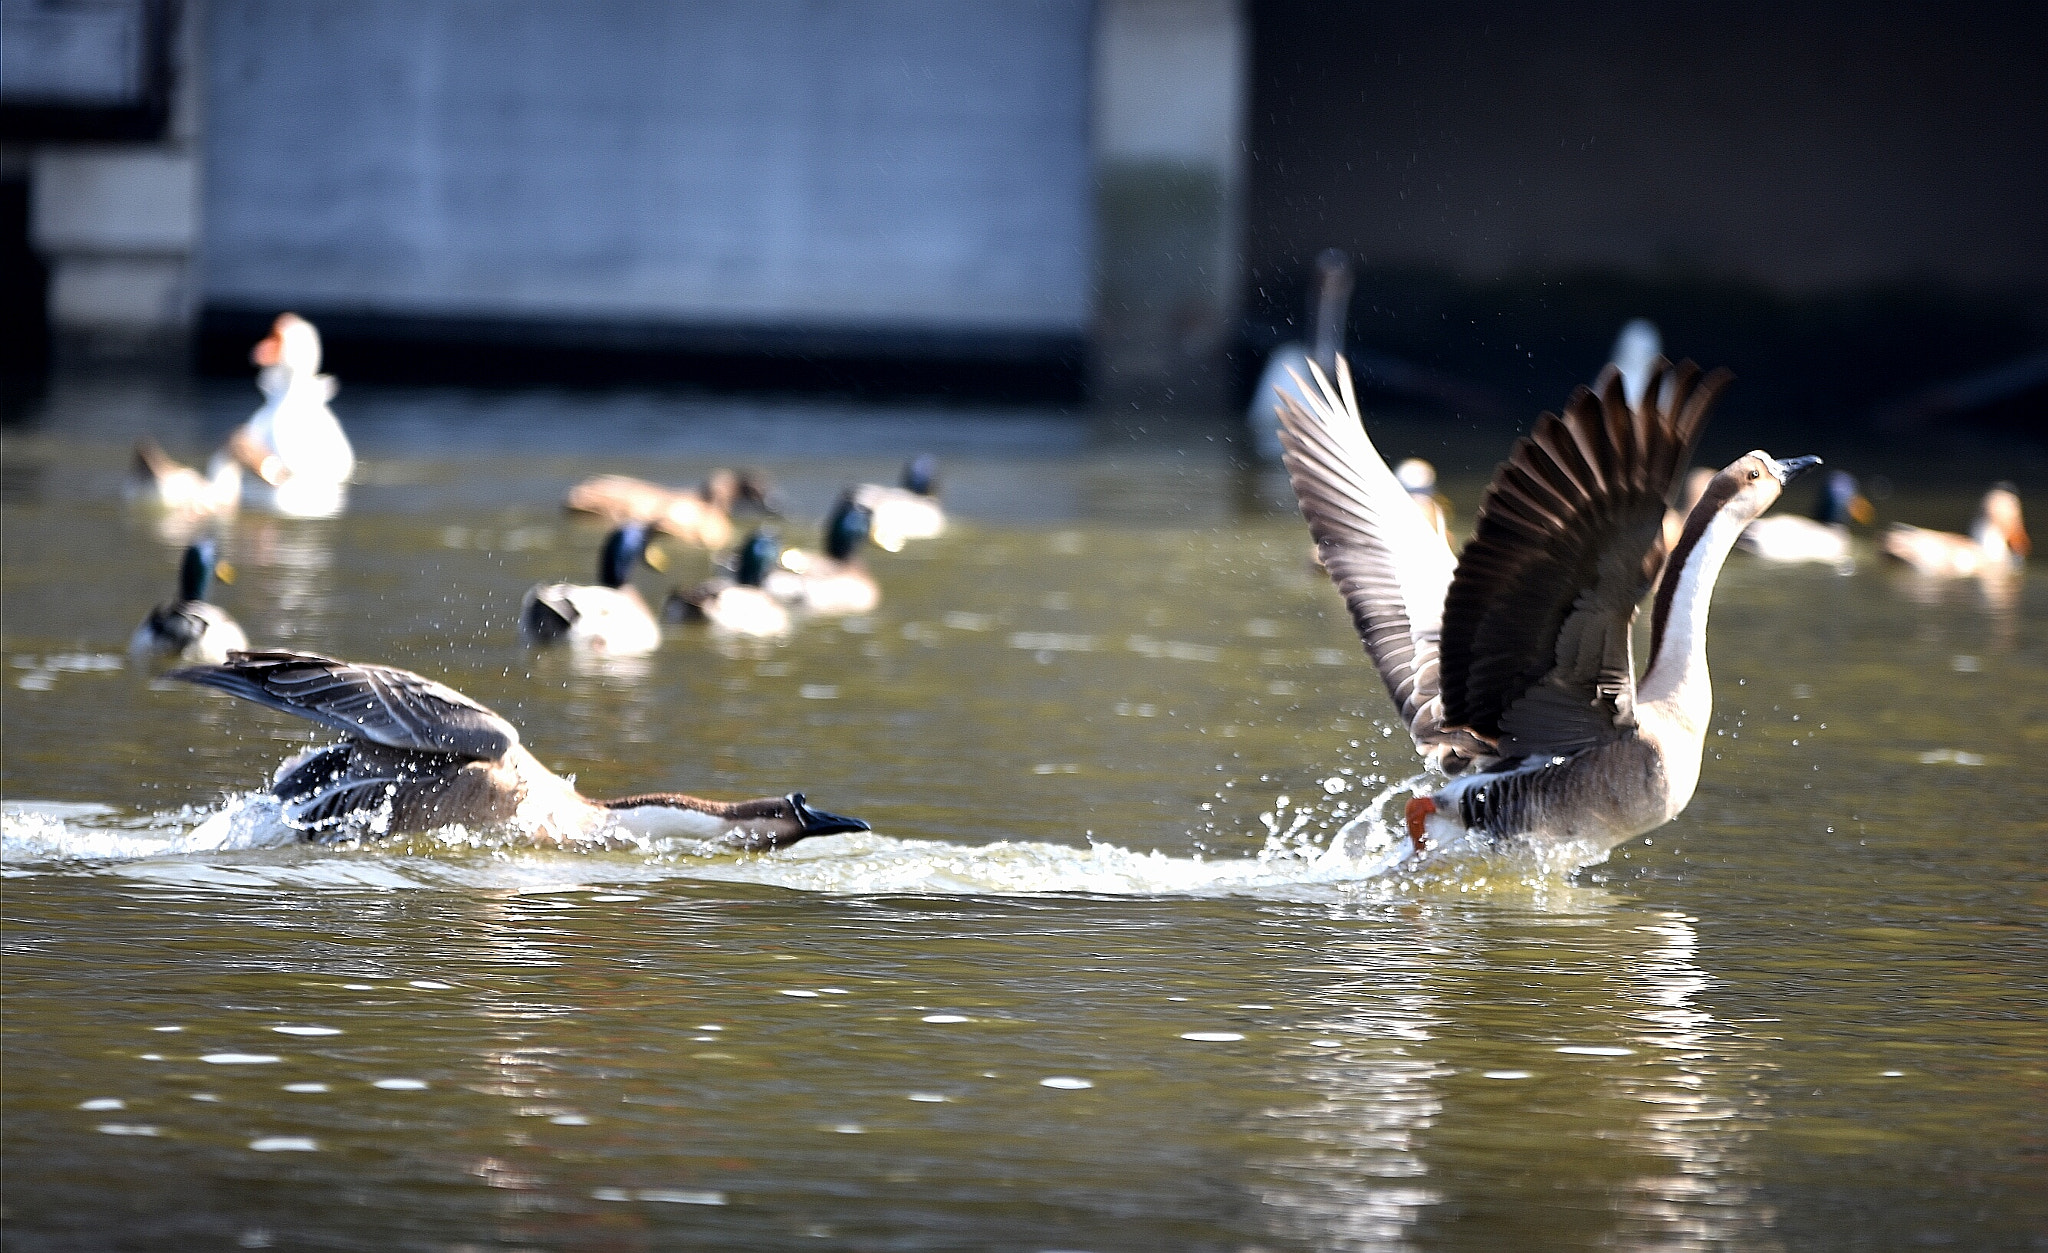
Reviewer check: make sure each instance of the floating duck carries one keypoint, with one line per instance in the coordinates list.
(1997, 541)
(1636, 349)
(835, 583)
(610, 617)
(1511, 663)
(294, 444)
(700, 515)
(158, 481)
(911, 511)
(418, 755)
(737, 605)
(190, 628)
(1419, 478)
(1823, 538)
(1286, 372)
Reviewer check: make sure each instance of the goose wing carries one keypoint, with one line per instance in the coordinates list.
(1392, 568)
(1569, 538)
(380, 704)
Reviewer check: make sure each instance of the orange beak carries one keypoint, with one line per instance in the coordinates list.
(2016, 539)
(1860, 510)
(266, 353)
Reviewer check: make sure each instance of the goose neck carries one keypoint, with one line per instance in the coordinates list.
(1678, 661)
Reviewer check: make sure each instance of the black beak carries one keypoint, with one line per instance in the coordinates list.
(818, 822)
(1796, 466)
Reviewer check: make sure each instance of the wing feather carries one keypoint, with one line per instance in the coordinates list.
(379, 704)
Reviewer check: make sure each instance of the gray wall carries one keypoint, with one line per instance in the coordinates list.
(833, 163)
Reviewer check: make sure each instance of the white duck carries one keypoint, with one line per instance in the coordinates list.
(738, 605)
(610, 617)
(1997, 542)
(294, 444)
(1511, 663)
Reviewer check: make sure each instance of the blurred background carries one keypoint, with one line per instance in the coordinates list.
(1110, 205)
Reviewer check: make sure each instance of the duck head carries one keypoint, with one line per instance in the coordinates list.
(757, 556)
(624, 549)
(847, 528)
(921, 474)
(197, 570)
(2000, 515)
(292, 343)
(1751, 484)
(1841, 503)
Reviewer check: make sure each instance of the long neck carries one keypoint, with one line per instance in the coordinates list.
(1678, 660)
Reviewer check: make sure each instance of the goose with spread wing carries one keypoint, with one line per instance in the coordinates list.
(1511, 663)
(416, 755)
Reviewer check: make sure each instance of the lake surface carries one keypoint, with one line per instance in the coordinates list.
(1092, 982)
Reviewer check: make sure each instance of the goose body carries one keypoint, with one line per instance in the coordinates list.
(158, 481)
(701, 516)
(1823, 538)
(1511, 663)
(1997, 542)
(294, 444)
(417, 755)
(609, 616)
(906, 512)
(738, 605)
(189, 629)
(834, 582)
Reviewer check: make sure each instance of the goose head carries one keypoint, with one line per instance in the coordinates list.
(1841, 502)
(847, 528)
(757, 556)
(1751, 484)
(198, 569)
(624, 549)
(1999, 519)
(921, 475)
(292, 343)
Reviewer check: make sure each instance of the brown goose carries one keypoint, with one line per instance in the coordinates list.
(700, 516)
(1511, 663)
(419, 755)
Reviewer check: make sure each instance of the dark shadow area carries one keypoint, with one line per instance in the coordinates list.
(24, 306)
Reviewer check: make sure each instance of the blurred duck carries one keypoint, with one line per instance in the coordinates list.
(1287, 372)
(700, 515)
(736, 605)
(294, 444)
(610, 617)
(1824, 537)
(190, 628)
(1636, 349)
(909, 512)
(156, 480)
(835, 583)
(1419, 478)
(1997, 541)
(417, 755)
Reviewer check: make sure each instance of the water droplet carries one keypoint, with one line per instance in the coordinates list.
(126, 1129)
(399, 1085)
(285, 1144)
(241, 1059)
(1065, 1083)
(305, 1087)
(103, 1102)
(307, 1030)
(1507, 1074)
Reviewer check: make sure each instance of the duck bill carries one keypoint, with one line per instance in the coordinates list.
(267, 352)
(1861, 511)
(1793, 467)
(818, 822)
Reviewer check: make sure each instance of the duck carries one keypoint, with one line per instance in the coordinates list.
(1286, 372)
(1419, 478)
(1511, 663)
(1997, 542)
(701, 515)
(157, 480)
(1636, 348)
(294, 444)
(1822, 538)
(417, 755)
(836, 582)
(608, 617)
(907, 512)
(191, 628)
(736, 605)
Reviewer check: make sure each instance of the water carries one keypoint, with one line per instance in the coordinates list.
(1089, 984)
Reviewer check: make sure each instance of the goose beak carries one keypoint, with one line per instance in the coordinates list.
(818, 822)
(1794, 467)
(268, 351)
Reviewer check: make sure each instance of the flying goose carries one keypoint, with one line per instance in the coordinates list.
(610, 617)
(911, 511)
(700, 516)
(1511, 663)
(190, 628)
(1997, 541)
(1824, 537)
(293, 443)
(417, 755)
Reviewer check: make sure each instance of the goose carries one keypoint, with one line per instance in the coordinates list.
(610, 617)
(737, 605)
(417, 755)
(1997, 541)
(834, 583)
(700, 515)
(294, 444)
(1511, 663)
(1329, 303)
(157, 480)
(190, 628)
(911, 511)
(1823, 538)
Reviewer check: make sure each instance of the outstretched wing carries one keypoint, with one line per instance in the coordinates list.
(1569, 538)
(380, 704)
(1388, 562)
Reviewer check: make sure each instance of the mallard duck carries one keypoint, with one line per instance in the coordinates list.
(737, 605)
(1511, 663)
(1823, 538)
(156, 480)
(294, 444)
(1997, 541)
(835, 583)
(190, 628)
(610, 617)
(418, 755)
(700, 515)
(911, 511)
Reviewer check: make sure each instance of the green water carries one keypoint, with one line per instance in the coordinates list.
(1807, 1014)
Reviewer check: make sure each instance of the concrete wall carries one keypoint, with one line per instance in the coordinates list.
(831, 163)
